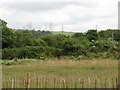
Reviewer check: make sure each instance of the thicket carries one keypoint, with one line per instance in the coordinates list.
(43, 44)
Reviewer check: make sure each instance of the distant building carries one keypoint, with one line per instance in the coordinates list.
(119, 15)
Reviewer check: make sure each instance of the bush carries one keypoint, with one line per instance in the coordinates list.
(31, 52)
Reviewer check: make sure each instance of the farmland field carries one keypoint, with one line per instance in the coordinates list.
(94, 69)
(64, 33)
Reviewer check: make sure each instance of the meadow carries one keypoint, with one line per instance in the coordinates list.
(62, 33)
(103, 70)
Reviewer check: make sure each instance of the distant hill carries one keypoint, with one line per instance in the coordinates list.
(64, 33)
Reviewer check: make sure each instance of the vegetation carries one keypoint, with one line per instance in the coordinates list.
(59, 55)
(65, 69)
(62, 32)
(36, 44)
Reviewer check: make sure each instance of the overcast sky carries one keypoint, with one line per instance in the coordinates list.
(75, 15)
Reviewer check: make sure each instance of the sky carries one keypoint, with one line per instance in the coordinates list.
(58, 15)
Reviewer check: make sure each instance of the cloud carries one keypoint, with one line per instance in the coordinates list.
(76, 16)
(43, 6)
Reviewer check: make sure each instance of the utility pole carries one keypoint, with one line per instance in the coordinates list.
(29, 25)
(96, 27)
(62, 28)
(51, 26)
(46, 26)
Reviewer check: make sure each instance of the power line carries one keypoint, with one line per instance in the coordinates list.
(29, 25)
(62, 28)
(45, 26)
(96, 27)
(51, 26)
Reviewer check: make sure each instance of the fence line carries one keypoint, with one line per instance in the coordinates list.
(43, 82)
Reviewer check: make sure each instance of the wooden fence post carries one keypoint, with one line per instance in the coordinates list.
(12, 82)
(112, 83)
(118, 85)
(9, 83)
(63, 81)
(24, 82)
(79, 82)
(82, 83)
(66, 83)
(28, 80)
(76, 84)
(60, 82)
(109, 86)
(46, 82)
(105, 83)
(95, 83)
(37, 82)
(98, 83)
(15, 82)
(41, 82)
(88, 82)
(71, 86)
(6, 84)
(116, 82)
(54, 82)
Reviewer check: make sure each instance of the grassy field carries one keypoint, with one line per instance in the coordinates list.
(62, 68)
(63, 33)
(94, 69)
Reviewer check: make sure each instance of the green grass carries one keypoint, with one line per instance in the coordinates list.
(62, 33)
(66, 69)
(100, 69)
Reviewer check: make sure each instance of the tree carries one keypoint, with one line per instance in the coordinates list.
(92, 35)
(117, 35)
(7, 35)
(78, 35)
(23, 38)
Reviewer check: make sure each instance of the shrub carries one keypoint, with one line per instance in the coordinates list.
(31, 52)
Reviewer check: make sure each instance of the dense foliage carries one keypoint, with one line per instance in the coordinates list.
(44, 44)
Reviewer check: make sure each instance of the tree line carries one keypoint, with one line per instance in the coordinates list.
(43, 44)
